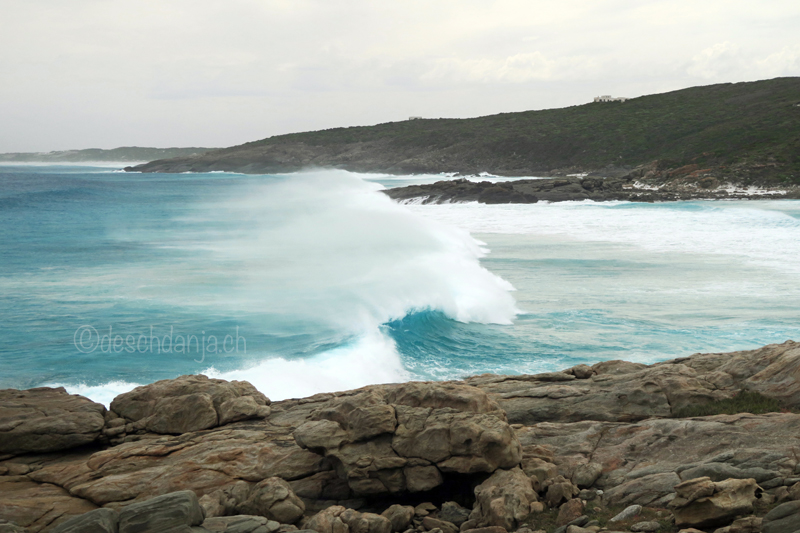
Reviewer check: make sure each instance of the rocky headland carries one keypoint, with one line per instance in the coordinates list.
(743, 134)
(616, 446)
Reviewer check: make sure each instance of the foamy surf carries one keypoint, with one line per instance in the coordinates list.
(371, 360)
(310, 252)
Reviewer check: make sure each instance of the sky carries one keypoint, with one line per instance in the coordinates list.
(101, 74)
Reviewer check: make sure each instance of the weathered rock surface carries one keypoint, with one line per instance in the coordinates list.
(400, 516)
(455, 513)
(240, 524)
(10, 527)
(47, 420)
(190, 403)
(626, 514)
(37, 506)
(784, 518)
(175, 512)
(701, 502)
(569, 512)
(748, 524)
(625, 392)
(504, 499)
(330, 462)
(97, 521)
(645, 527)
(337, 519)
(402, 438)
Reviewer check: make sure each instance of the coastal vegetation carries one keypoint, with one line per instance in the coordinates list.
(748, 133)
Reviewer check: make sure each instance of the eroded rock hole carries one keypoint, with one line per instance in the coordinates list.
(459, 488)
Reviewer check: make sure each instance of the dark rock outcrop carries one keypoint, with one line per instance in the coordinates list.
(47, 420)
(572, 189)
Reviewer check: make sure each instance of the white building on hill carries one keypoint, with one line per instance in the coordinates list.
(609, 98)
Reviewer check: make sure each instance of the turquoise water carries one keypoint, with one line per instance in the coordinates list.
(316, 281)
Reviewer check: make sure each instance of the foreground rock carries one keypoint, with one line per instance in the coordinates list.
(47, 420)
(625, 392)
(405, 437)
(189, 403)
(438, 457)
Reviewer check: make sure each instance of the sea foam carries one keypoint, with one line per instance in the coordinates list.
(314, 251)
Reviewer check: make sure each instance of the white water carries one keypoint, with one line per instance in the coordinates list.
(764, 233)
(325, 258)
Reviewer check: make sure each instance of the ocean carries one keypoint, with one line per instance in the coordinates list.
(316, 281)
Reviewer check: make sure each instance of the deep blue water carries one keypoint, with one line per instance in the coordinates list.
(316, 281)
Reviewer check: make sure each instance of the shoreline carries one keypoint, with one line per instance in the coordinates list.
(488, 454)
(528, 191)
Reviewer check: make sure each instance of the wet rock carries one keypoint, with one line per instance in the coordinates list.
(703, 503)
(47, 420)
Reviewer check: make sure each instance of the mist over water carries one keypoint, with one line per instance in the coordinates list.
(330, 285)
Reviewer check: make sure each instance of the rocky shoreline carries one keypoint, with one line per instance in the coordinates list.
(571, 188)
(616, 446)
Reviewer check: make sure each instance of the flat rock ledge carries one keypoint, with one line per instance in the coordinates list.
(608, 447)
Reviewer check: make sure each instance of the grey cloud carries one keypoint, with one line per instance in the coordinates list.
(96, 73)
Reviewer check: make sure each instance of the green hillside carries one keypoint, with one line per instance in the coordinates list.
(752, 129)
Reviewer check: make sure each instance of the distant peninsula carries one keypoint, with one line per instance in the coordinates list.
(125, 154)
(745, 134)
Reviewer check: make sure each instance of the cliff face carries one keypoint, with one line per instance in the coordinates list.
(747, 133)
(489, 454)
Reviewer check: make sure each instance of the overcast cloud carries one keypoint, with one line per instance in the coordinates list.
(100, 73)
